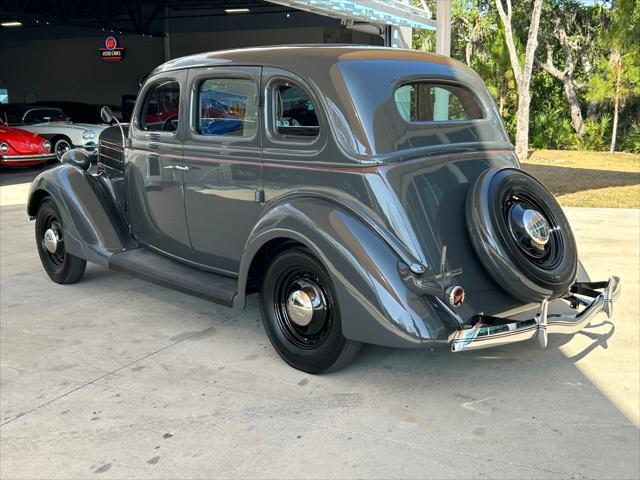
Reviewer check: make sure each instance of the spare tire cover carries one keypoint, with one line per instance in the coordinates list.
(521, 235)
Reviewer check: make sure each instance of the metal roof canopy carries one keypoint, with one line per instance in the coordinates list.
(395, 13)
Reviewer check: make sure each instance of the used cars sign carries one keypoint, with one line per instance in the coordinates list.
(111, 51)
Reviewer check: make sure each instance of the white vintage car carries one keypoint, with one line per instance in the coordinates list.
(54, 125)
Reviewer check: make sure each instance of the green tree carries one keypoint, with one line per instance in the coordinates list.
(618, 77)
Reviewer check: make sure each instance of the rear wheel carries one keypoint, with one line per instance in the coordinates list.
(61, 266)
(301, 315)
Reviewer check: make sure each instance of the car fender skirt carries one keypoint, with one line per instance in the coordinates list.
(376, 305)
(93, 228)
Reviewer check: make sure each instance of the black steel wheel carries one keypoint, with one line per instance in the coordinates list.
(301, 314)
(521, 235)
(61, 266)
(61, 146)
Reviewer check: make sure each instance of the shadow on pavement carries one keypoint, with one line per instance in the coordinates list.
(17, 175)
(564, 180)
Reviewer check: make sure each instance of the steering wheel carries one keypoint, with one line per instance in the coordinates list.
(170, 124)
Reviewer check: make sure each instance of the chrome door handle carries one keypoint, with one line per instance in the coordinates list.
(180, 167)
(170, 167)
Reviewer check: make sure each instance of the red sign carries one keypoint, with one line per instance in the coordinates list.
(111, 52)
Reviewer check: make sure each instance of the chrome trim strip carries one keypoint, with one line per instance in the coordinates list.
(40, 156)
(540, 326)
(111, 158)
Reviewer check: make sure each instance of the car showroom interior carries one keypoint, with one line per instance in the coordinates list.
(319, 239)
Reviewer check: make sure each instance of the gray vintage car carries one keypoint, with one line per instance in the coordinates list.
(368, 194)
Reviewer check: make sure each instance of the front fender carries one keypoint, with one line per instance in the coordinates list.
(376, 305)
(93, 227)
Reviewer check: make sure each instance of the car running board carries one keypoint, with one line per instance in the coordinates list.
(158, 269)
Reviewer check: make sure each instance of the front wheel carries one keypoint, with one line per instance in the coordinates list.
(61, 266)
(60, 147)
(301, 314)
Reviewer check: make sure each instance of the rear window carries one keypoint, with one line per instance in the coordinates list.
(429, 102)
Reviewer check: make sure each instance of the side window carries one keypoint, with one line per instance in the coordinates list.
(161, 108)
(294, 111)
(227, 106)
(426, 102)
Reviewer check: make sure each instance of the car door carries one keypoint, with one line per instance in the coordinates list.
(222, 156)
(155, 170)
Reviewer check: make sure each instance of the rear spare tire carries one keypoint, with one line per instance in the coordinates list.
(521, 235)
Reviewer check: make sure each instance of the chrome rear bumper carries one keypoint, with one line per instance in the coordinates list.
(493, 332)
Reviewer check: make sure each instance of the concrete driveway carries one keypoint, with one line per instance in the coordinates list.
(114, 377)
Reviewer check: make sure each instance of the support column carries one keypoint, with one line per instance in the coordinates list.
(443, 47)
(443, 27)
(401, 37)
(167, 34)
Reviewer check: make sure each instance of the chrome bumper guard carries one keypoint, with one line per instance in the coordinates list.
(492, 332)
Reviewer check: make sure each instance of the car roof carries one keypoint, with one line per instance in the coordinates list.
(290, 57)
(354, 85)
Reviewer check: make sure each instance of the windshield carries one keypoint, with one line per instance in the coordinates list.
(44, 115)
(9, 118)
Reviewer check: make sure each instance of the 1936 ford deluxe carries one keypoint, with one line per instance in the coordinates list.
(368, 195)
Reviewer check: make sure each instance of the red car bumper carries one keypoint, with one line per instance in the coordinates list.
(26, 160)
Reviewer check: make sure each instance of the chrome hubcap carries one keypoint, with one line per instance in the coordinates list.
(51, 240)
(304, 301)
(536, 227)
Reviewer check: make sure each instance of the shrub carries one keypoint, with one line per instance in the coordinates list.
(630, 142)
(597, 134)
(551, 129)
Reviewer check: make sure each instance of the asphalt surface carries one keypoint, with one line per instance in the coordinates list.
(117, 378)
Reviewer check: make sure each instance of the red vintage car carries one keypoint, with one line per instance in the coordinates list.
(22, 148)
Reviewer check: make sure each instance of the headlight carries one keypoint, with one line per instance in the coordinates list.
(4, 148)
(88, 135)
(46, 146)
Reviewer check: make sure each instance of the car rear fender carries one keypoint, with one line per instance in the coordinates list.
(93, 227)
(376, 305)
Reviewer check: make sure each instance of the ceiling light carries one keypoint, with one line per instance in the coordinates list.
(237, 10)
(11, 24)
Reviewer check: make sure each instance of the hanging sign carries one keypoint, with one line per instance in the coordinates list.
(111, 52)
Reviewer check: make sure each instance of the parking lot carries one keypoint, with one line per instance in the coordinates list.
(117, 377)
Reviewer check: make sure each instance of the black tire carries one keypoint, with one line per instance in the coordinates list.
(61, 145)
(320, 345)
(61, 266)
(527, 271)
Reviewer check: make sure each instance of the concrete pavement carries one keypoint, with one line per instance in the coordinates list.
(114, 377)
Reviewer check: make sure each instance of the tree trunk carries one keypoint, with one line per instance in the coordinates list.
(468, 51)
(614, 133)
(501, 102)
(592, 110)
(522, 128)
(522, 73)
(574, 105)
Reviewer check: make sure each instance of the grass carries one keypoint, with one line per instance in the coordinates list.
(588, 179)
